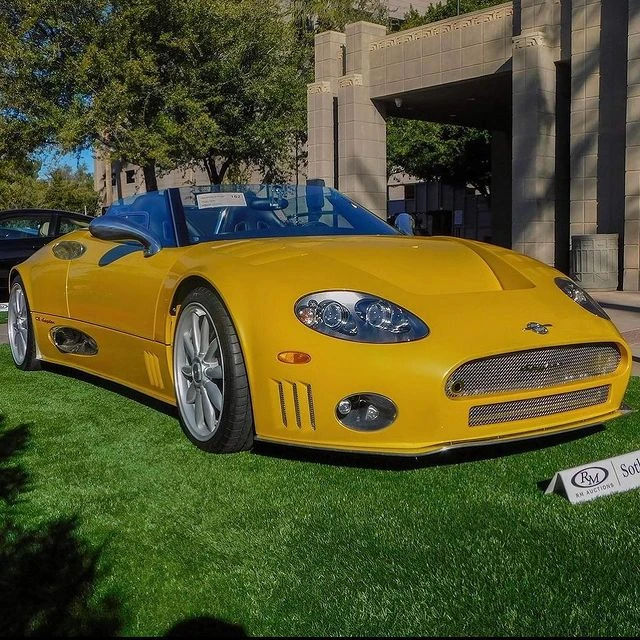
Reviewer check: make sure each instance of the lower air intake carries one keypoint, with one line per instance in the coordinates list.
(537, 407)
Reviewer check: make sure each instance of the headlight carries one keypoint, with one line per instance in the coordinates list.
(359, 317)
(580, 296)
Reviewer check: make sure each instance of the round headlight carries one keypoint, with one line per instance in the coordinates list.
(378, 314)
(581, 297)
(334, 315)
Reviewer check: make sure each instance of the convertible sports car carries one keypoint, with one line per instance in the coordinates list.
(291, 314)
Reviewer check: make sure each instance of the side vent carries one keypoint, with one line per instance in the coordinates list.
(295, 403)
(70, 340)
(153, 370)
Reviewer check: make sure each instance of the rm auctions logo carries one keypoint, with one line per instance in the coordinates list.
(589, 477)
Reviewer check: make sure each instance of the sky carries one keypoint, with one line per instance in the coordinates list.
(52, 159)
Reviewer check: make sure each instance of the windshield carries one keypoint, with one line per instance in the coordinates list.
(223, 212)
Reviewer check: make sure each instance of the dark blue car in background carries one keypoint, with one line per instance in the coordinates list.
(24, 231)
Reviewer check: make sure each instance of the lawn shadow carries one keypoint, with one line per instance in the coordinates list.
(47, 573)
(451, 456)
(114, 387)
(204, 626)
(13, 477)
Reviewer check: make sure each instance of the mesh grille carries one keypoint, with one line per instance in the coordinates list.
(533, 369)
(537, 407)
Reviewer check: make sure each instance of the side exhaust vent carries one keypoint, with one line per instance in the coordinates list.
(69, 340)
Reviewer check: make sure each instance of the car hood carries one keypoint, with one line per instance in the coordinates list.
(412, 265)
(469, 293)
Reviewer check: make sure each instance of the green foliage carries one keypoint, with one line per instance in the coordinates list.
(21, 188)
(157, 82)
(432, 151)
(443, 10)
(70, 190)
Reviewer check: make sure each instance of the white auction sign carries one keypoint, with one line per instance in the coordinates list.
(596, 479)
(224, 199)
(4, 306)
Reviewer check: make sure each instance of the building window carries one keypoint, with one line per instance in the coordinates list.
(131, 176)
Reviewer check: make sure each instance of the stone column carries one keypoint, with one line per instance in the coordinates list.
(631, 278)
(533, 159)
(329, 66)
(585, 116)
(361, 127)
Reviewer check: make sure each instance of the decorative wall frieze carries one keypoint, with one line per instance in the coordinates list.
(444, 26)
(318, 87)
(536, 39)
(352, 80)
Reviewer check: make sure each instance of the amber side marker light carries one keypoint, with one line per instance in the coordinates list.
(294, 357)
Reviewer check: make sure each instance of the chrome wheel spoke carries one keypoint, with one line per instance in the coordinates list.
(199, 410)
(195, 332)
(211, 351)
(214, 372)
(209, 413)
(204, 336)
(190, 398)
(187, 371)
(188, 347)
(214, 393)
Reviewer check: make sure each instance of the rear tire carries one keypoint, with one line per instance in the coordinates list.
(210, 378)
(22, 340)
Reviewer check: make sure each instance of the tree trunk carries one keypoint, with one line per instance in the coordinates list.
(216, 176)
(150, 180)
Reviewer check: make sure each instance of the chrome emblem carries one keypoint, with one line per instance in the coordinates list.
(536, 327)
(541, 367)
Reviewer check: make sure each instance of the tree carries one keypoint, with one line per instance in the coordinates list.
(239, 97)
(158, 83)
(431, 151)
(70, 190)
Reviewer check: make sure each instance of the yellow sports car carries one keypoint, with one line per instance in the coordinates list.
(291, 314)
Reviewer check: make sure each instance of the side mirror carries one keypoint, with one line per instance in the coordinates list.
(116, 229)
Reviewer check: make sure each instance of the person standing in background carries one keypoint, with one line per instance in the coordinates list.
(404, 223)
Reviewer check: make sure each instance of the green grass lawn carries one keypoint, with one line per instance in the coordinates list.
(113, 523)
(3, 317)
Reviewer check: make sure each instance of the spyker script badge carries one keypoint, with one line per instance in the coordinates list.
(536, 327)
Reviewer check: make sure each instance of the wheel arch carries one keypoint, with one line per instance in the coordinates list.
(186, 285)
(13, 274)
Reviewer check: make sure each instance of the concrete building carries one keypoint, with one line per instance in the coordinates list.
(557, 82)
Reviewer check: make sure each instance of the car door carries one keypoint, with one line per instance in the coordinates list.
(113, 285)
(21, 234)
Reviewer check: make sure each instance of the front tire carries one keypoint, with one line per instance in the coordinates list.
(22, 339)
(210, 378)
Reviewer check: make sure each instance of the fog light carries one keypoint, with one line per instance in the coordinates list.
(344, 406)
(366, 412)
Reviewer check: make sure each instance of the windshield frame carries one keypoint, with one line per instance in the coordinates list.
(378, 226)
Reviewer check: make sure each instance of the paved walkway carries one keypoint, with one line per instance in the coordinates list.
(622, 306)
